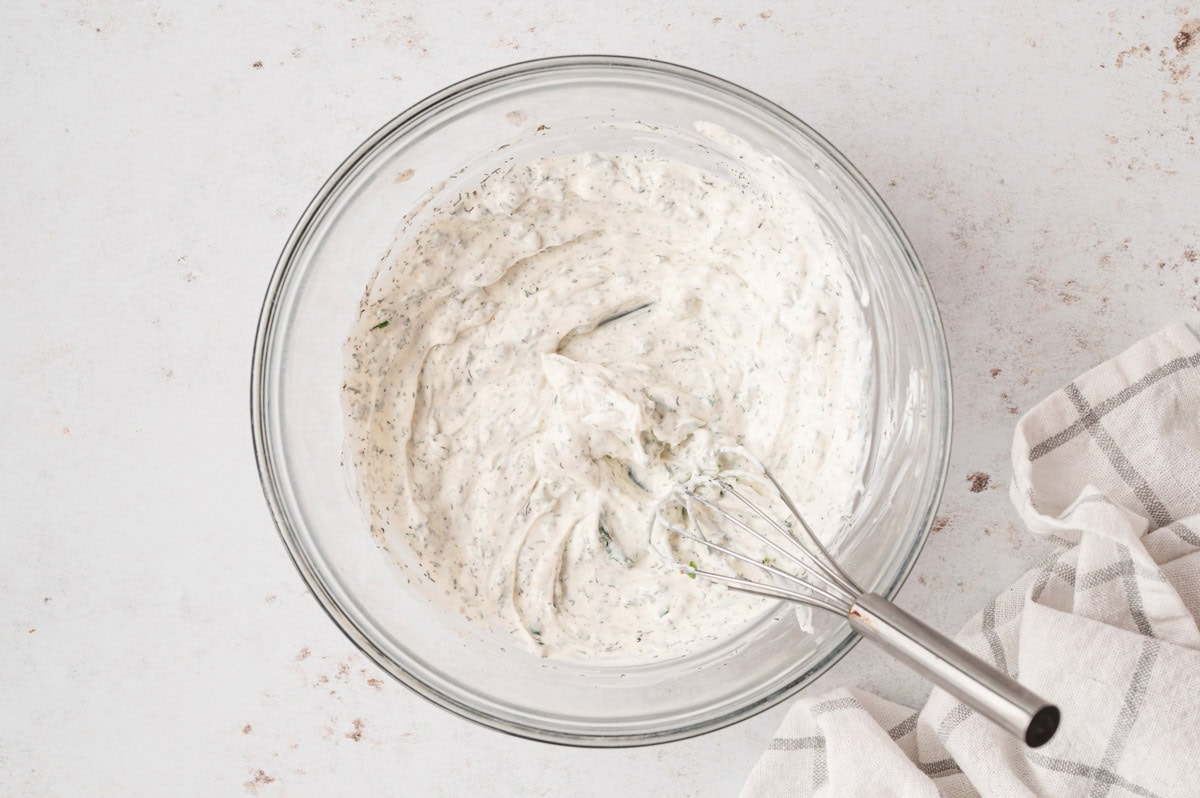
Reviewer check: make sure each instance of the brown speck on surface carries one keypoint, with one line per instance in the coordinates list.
(303, 654)
(257, 65)
(297, 52)
(31, 631)
(995, 372)
(766, 14)
(516, 118)
(258, 778)
(921, 580)
(247, 729)
(940, 523)
(66, 430)
(1140, 50)
(46, 600)
(357, 734)
(979, 481)
(270, 598)
(376, 683)
(343, 672)
(1186, 38)
(716, 20)
(1190, 255)
(404, 177)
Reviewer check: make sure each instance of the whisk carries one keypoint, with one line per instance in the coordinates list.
(825, 585)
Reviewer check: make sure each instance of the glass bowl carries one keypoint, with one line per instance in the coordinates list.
(387, 186)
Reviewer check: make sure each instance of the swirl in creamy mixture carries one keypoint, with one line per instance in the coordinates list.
(516, 442)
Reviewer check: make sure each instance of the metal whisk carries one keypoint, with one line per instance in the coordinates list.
(826, 586)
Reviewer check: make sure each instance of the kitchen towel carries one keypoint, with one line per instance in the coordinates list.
(1108, 469)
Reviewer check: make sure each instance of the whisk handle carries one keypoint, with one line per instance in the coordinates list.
(1015, 709)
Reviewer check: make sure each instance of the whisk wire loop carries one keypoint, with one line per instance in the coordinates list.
(770, 591)
(812, 536)
(828, 600)
(811, 566)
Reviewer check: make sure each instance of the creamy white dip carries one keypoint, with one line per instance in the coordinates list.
(511, 446)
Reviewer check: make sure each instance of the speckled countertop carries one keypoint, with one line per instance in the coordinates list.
(154, 637)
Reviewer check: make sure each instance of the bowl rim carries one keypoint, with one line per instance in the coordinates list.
(264, 340)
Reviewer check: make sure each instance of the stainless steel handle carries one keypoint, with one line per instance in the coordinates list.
(954, 669)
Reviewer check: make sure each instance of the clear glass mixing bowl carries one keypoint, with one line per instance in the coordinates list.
(559, 106)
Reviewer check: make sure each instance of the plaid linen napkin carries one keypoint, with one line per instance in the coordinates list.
(1108, 468)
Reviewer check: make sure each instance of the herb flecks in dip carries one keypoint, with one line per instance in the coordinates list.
(511, 447)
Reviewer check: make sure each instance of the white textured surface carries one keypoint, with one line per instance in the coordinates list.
(154, 637)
